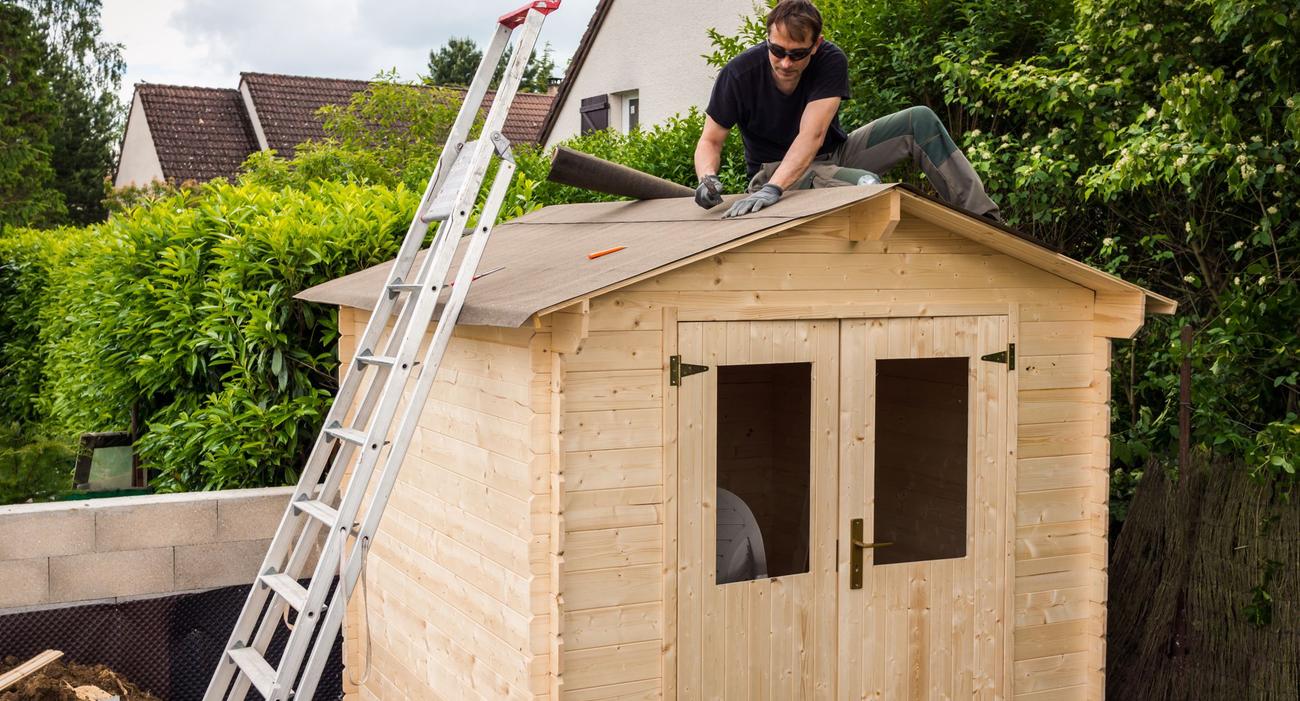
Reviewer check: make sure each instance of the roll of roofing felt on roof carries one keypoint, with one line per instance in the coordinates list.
(583, 170)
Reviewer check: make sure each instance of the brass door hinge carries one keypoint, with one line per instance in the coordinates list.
(677, 370)
(1007, 356)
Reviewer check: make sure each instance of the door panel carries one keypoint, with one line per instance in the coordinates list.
(770, 637)
(924, 628)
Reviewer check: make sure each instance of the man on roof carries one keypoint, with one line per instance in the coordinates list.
(785, 95)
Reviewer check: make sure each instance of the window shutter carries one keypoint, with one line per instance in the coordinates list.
(595, 113)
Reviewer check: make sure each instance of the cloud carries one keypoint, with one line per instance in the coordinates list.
(316, 38)
(209, 42)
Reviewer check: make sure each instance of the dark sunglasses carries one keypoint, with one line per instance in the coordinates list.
(794, 54)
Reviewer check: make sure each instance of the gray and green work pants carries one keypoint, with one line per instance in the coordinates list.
(915, 132)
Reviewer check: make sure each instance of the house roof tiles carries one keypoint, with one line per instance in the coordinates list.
(204, 133)
(199, 133)
(286, 108)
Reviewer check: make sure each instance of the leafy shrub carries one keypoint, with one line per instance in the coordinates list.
(27, 260)
(390, 133)
(32, 469)
(180, 311)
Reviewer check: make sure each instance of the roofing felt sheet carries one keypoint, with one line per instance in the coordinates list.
(541, 260)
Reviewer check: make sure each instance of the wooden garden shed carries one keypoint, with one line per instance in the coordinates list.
(854, 445)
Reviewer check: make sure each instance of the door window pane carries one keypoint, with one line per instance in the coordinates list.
(922, 420)
(764, 469)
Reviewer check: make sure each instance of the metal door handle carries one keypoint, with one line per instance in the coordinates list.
(857, 544)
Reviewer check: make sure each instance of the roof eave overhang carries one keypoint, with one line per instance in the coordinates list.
(1120, 306)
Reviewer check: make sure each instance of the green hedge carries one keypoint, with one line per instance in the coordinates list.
(180, 310)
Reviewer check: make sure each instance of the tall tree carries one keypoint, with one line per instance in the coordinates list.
(27, 122)
(456, 61)
(84, 72)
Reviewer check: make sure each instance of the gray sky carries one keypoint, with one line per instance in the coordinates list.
(208, 42)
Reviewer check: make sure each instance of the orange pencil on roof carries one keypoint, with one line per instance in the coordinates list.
(596, 254)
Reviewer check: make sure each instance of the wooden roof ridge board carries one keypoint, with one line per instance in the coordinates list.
(538, 263)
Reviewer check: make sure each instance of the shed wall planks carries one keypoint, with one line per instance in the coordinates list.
(614, 505)
(452, 592)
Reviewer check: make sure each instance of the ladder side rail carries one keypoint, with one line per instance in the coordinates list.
(334, 612)
(414, 238)
(439, 265)
(423, 309)
(247, 628)
(514, 75)
(418, 229)
(269, 621)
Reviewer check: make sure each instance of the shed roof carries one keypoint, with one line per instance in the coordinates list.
(539, 262)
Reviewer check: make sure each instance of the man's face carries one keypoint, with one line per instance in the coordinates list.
(779, 42)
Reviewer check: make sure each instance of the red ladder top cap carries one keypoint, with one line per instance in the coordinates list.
(516, 18)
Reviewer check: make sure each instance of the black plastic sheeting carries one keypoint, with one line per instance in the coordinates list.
(168, 645)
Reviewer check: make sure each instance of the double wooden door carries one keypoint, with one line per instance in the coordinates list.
(871, 458)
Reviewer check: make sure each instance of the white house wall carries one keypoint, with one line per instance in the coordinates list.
(247, 95)
(655, 49)
(139, 164)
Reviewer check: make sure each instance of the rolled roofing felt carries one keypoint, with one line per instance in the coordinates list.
(578, 169)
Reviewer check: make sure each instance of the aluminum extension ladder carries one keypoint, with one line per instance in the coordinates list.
(321, 499)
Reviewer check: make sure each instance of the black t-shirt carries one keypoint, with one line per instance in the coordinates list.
(745, 94)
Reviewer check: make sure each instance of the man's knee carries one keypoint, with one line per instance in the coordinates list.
(925, 123)
(930, 134)
(920, 114)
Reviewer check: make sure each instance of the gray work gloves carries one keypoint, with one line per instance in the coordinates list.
(709, 194)
(763, 198)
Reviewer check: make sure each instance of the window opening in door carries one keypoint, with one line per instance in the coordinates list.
(764, 470)
(922, 417)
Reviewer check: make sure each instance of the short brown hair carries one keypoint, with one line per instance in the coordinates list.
(800, 19)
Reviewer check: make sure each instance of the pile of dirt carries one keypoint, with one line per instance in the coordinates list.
(58, 681)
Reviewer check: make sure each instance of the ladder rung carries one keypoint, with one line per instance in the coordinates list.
(387, 361)
(396, 287)
(317, 510)
(256, 668)
(350, 435)
(288, 588)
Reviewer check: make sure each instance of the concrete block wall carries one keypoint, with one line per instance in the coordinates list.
(128, 547)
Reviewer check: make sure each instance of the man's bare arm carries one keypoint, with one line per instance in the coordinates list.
(708, 151)
(817, 116)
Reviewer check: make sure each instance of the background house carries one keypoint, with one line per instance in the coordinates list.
(182, 133)
(640, 63)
